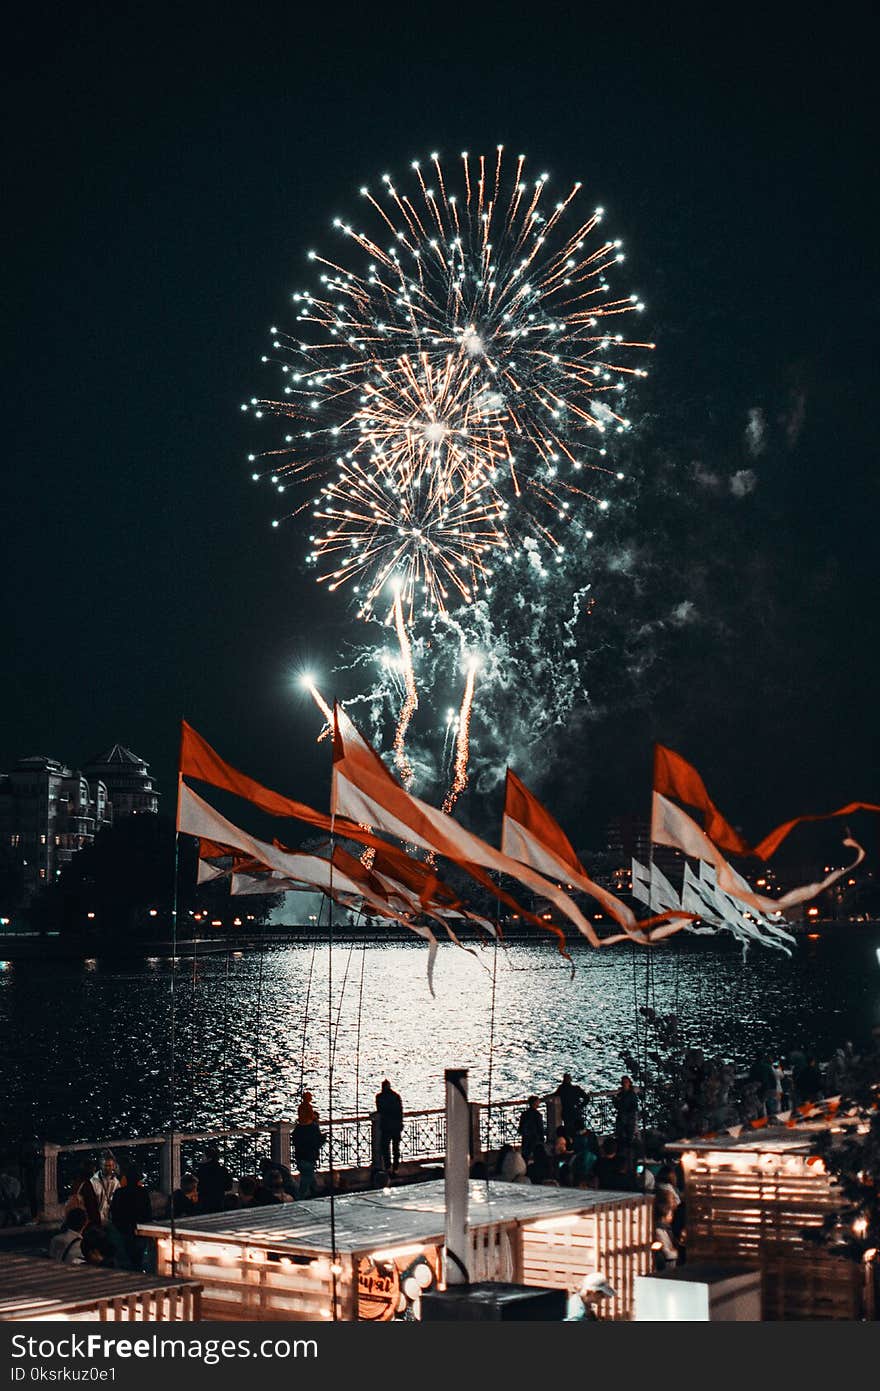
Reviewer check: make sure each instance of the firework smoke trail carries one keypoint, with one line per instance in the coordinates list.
(411, 697)
(462, 741)
(322, 706)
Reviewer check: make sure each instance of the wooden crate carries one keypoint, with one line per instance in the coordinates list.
(32, 1287)
(614, 1238)
(749, 1201)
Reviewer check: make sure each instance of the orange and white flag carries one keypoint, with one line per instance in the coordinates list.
(675, 777)
(531, 835)
(365, 791)
(673, 827)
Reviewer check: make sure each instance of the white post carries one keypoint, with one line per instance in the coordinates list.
(455, 1251)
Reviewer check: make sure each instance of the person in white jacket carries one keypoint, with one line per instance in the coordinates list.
(105, 1183)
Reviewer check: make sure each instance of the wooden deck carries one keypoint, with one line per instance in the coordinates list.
(33, 1287)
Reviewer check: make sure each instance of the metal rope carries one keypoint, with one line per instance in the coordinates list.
(491, 1050)
(302, 1060)
(224, 1066)
(257, 1044)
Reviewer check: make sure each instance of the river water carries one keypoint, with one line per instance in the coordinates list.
(85, 1046)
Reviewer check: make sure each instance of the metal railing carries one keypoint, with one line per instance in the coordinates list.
(356, 1144)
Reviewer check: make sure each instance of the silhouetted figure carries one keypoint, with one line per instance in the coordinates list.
(307, 1141)
(626, 1106)
(613, 1170)
(185, 1199)
(573, 1102)
(539, 1164)
(531, 1128)
(390, 1109)
(585, 1157)
(83, 1195)
(129, 1207)
(214, 1181)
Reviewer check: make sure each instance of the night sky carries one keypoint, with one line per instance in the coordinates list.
(166, 171)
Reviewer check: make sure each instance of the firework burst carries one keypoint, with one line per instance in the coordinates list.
(452, 382)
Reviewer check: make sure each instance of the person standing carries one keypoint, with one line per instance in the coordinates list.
(390, 1109)
(214, 1182)
(307, 1141)
(573, 1104)
(129, 1207)
(531, 1128)
(105, 1183)
(626, 1106)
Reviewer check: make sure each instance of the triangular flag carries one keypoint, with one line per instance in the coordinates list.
(532, 835)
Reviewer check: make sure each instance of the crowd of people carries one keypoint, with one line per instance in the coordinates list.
(106, 1207)
(574, 1156)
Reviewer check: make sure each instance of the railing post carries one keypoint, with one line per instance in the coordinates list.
(476, 1144)
(280, 1143)
(169, 1157)
(50, 1204)
(376, 1161)
(554, 1119)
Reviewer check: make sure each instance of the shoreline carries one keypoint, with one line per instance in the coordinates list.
(58, 946)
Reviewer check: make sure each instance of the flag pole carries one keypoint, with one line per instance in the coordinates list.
(173, 1098)
(334, 1261)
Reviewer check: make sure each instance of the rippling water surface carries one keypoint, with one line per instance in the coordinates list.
(85, 1046)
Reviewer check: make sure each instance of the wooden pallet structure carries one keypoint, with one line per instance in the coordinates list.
(278, 1262)
(35, 1288)
(750, 1198)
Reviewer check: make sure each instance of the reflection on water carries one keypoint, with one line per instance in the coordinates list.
(85, 1050)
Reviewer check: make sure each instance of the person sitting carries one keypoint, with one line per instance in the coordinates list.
(539, 1165)
(563, 1154)
(185, 1199)
(247, 1188)
(67, 1245)
(584, 1159)
(275, 1186)
(266, 1168)
(613, 1170)
(511, 1165)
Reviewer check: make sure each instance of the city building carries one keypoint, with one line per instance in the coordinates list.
(127, 779)
(49, 811)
